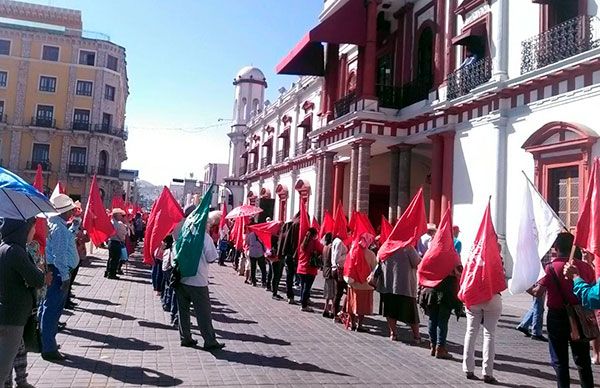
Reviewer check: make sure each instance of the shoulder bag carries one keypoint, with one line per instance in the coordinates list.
(375, 277)
(582, 322)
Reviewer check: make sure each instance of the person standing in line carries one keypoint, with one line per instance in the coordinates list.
(425, 240)
(457, 242)
(560, 291)
(533, 321)
(256, 252)
(194, 290)
(116, 243)
(169, 301)
(360, 294)
(75, 228)
(330, 286)
(287, 250)
(61, 255)
(276, 268)
(157, 269)
(19, 277)
(308, 272)
(138, 226)
(339, 251)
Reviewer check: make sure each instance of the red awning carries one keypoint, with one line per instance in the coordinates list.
(475, 35)
(285, 132)
(268, 142)
(344, 26)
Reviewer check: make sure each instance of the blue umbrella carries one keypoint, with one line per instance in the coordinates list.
(20, 200)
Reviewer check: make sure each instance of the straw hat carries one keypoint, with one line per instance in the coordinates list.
(62, 203)
(431, 227)
(118, 211)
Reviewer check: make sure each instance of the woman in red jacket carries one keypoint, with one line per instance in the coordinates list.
(306, 270)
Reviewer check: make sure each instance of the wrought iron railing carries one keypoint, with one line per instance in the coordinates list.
(342, 106)
(252, 167)
(468, 77)
(398, 97)
(110, 130)
(243, 170)
(105, 172)
(281, 155)
(81, 125)
(389, 96)
(302, 147)
(265, 162)
(565, 40)
(43, 122)
(32, 165)
(76, 168)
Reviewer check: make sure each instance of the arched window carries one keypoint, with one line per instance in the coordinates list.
(424, 69)
(244, 108)
(103, 163)
(351, 83)
(255, 106)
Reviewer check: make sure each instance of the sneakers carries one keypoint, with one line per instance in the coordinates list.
(189, 343)
(540, 338)
(53, 356)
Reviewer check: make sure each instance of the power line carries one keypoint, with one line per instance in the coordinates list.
(190, 129)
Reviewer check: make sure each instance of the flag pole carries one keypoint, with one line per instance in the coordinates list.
(541, 196)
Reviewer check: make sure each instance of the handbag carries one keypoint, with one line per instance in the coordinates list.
(316, 260)
(31, 334)
(582, 322)
(375, 277)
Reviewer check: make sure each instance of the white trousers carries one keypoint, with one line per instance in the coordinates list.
(486, 314)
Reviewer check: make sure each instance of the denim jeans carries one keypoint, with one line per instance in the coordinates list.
(438, 324)
(306, 282)
(534, 318)
(50, 311)
(263, 269)
(157, 275)
(559, 340)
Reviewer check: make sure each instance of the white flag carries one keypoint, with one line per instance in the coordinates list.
(538, 228)
(56, 191)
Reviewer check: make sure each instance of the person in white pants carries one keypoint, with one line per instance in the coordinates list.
(486, 314)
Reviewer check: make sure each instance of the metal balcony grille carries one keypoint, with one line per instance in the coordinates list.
(463, 80)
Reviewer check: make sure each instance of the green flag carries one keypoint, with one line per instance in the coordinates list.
(190, 242)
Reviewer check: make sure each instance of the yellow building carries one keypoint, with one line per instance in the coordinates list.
(62, 99)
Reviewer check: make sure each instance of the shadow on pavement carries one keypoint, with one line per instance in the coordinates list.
(112, 341)
(134, 375)
(251, 338)
(108, 314)
(156, 325)
(226, 319)
(98, 301)
(125, 279)
(247, 358)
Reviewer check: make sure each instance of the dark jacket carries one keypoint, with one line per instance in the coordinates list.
(288, 239)
(19, 276)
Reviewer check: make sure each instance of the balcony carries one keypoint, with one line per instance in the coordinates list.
(77, 168)
(110, 130)
(468, 77)
(81, 126)
(265, 162)
(252, 167)
(302, 147)
(43, 122)
(342, 106)
(243, 170)
(280, 156)
(567, 39)
(32, 165)
(105, 172)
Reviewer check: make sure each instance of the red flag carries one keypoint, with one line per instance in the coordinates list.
(223, 221)
(315, 225)
(386, 230)
(483, 276)
(327, 226)
(95, 220)
(352, 222)
(265, 230)
(117, 202)
(166, 214)
(340, 226)
(304, 225)
(237, 232)
(587, 235)
(356, 267)
(41, 227)
(441, 257)
(409, 228)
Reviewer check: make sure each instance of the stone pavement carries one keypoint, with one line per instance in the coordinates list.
(119, 336)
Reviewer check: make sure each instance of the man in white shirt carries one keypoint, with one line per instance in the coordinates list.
(423, 244)
(338, 258)
(194, 289)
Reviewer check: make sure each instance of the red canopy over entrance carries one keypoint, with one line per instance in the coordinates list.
(344, 26)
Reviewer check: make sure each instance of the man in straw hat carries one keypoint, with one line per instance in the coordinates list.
(61, 256)
(423, 244)
(116, 243)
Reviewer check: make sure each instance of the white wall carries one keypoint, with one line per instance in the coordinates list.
(523, 23)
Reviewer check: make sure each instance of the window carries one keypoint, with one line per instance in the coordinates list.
(40, 155)
(47, 84)
(78, 160)
(50, 53)
(564, 194)
(112, 62)
(44, 116)
(2, 117)
(103, 163)
(109, 92)
(3, 79)
(84, 88)
(4, 47)
(106, 122)
(81, 119)
(87, 58)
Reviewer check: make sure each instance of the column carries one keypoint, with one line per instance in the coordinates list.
(499, 47)
(338, 186)
(499, 179)
(404, 170)
(370, 60)
(331, 80)
(436, 178)
(440, 42)
(364, 175)
(327, 183)
(447, 171)
(319, 188)
(408, 46)
(450, 52)
(291, 202)
(394, 177)
(353, 179)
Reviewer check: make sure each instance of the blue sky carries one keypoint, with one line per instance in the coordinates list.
(182, 56)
